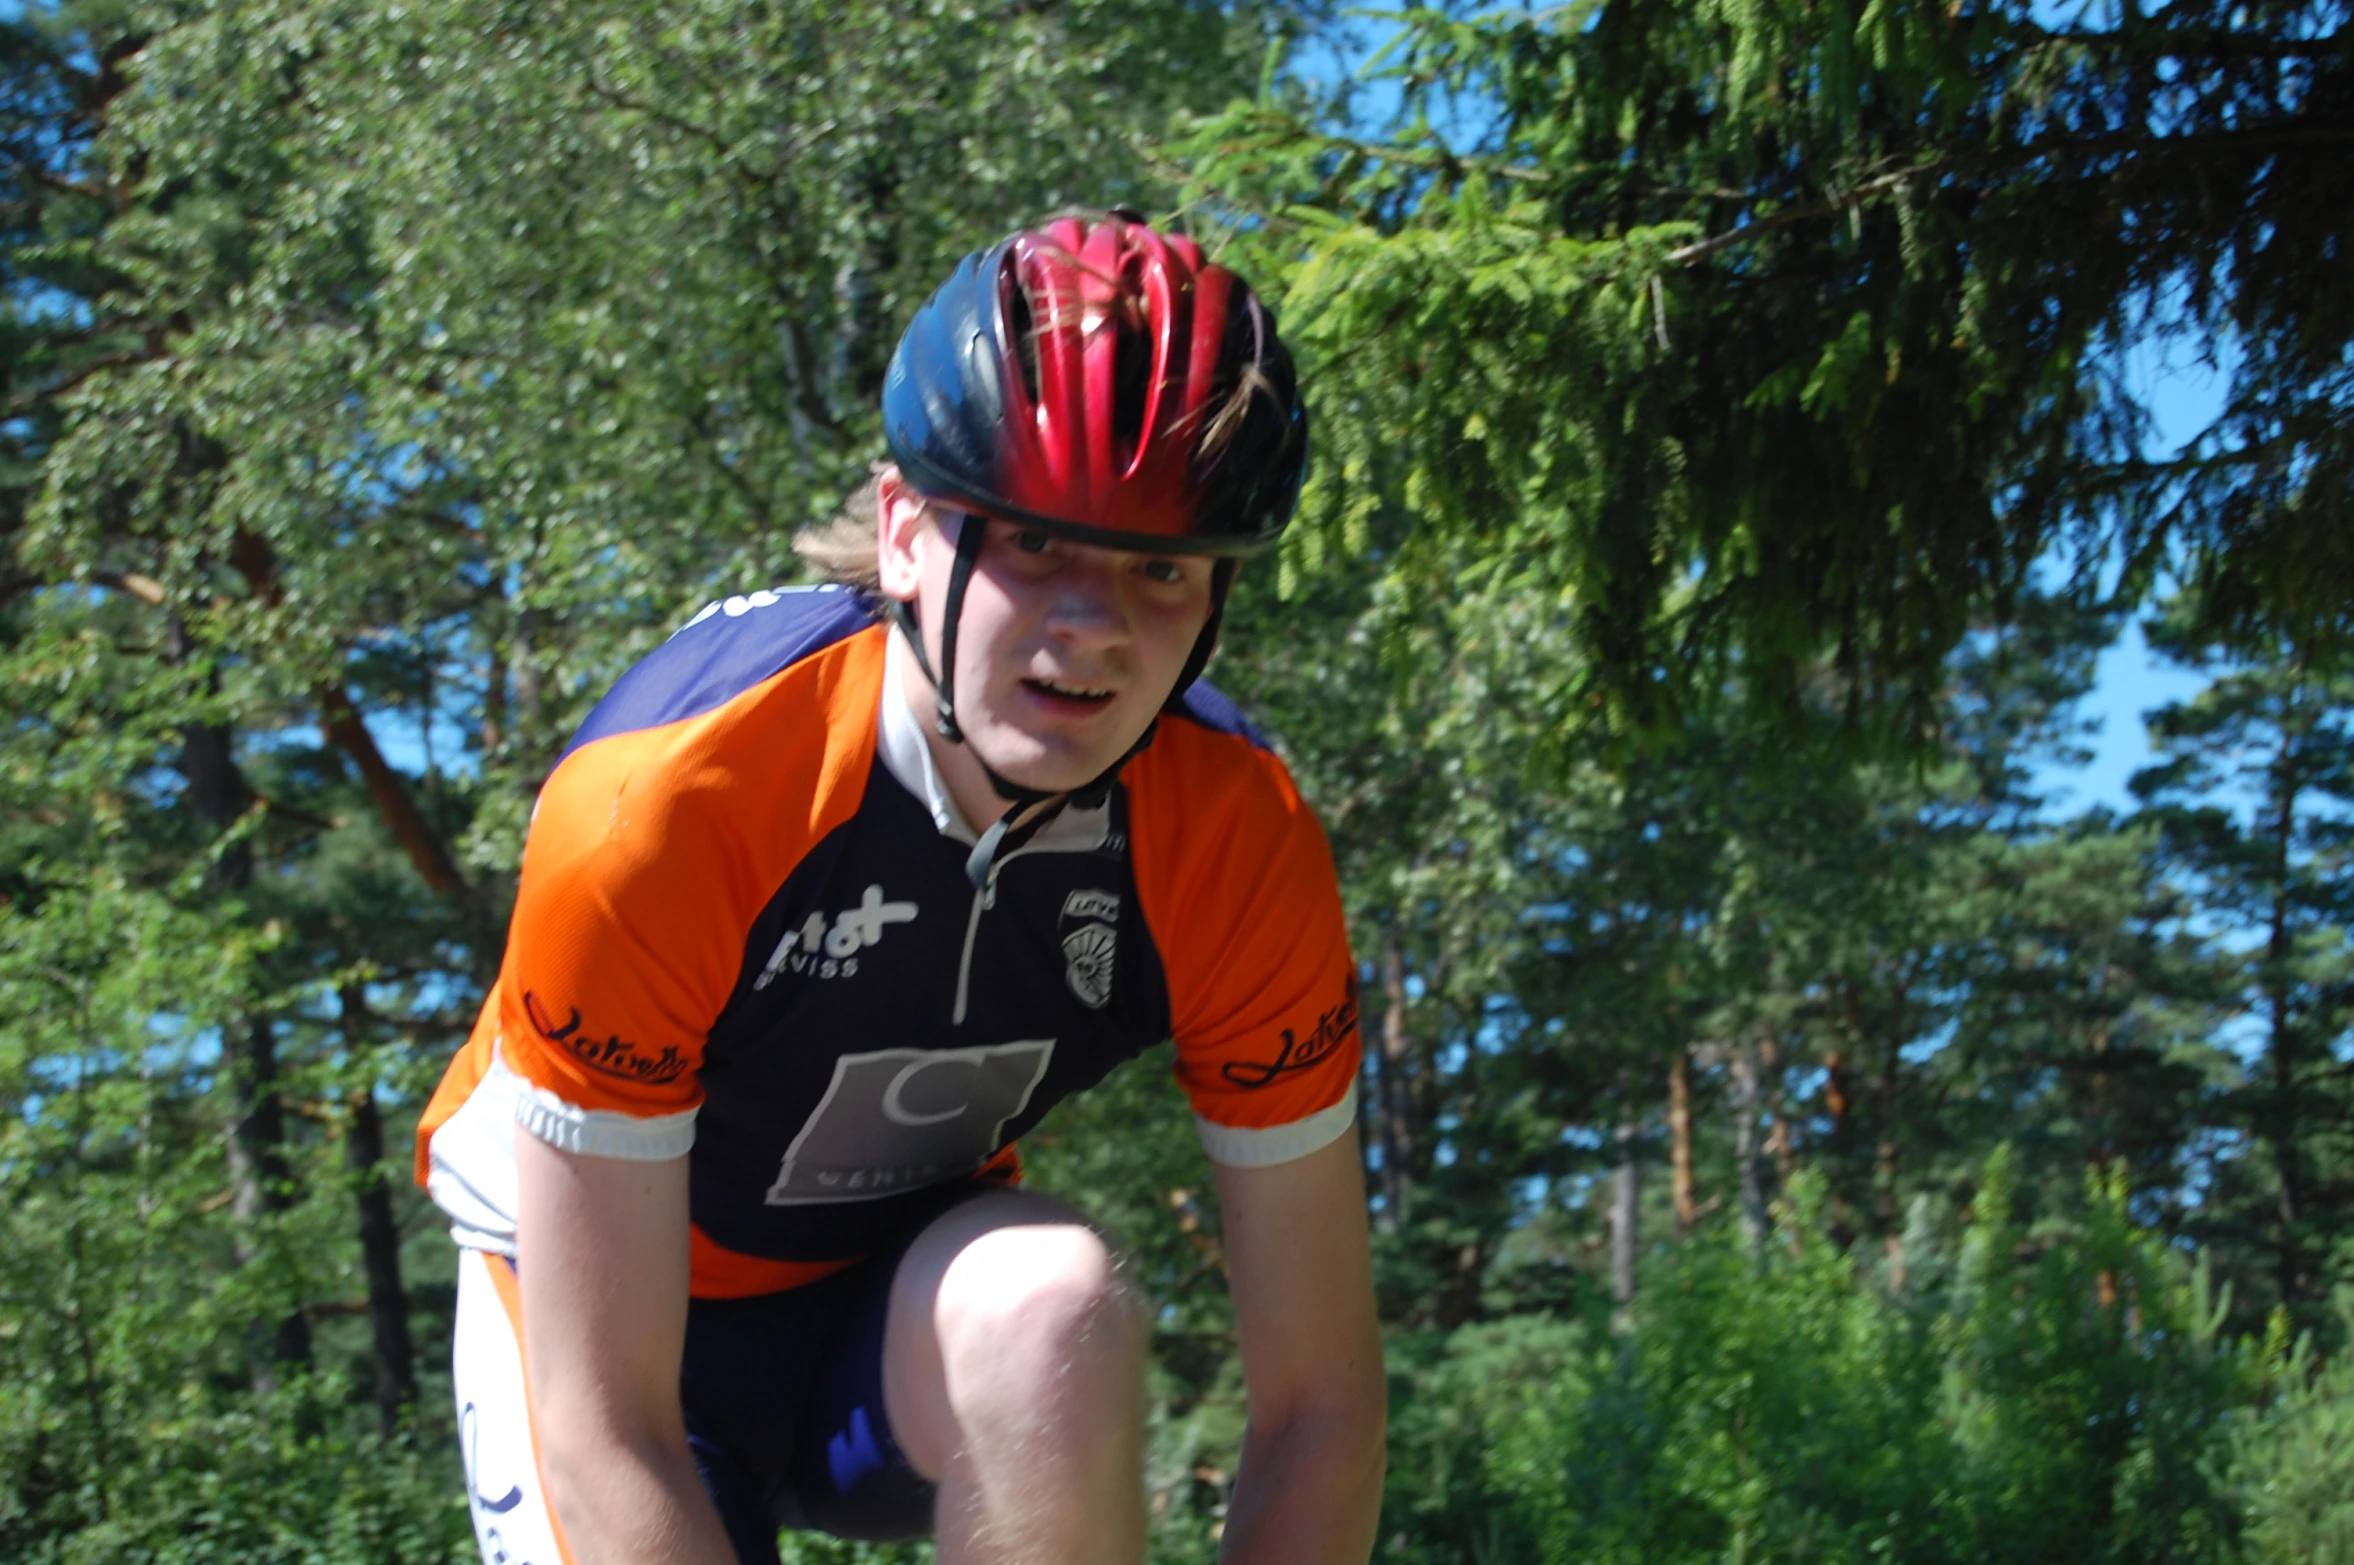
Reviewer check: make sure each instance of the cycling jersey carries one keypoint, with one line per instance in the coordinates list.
(744, 934)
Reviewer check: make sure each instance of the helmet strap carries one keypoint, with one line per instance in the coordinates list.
(970, 531)
(1221, 583)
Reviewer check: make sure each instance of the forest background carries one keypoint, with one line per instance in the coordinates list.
(1788, 1134)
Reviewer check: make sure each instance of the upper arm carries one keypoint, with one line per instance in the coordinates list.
(1237, 887)
(1302, 1282)
(608, 987)
(602, 1262)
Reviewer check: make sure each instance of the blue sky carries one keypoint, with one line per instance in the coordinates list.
(2184, 395)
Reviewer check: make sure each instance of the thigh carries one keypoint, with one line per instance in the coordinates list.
(504, 1495)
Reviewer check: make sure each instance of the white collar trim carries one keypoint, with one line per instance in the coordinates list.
(908, 758)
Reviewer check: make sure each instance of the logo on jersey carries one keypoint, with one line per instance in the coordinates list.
(901, 1119)
(1089, 949)
(738, 606)
(831, 951)
(614, 1055)
(1334, 1028)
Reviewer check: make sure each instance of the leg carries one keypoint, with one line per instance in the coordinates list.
(1013, 1371)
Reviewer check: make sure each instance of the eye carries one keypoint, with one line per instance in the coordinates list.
(1167, 572)
(1031, 541)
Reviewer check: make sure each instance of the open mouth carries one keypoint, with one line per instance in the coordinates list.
(1056, 690)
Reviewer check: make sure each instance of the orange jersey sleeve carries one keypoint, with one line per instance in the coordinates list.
(651, 852)
(640, 882)
(1236, 882)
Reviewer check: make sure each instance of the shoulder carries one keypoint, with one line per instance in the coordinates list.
(1209, 764)
(1236, 884)
(729, 648)
(744, 737)
(1218, 830)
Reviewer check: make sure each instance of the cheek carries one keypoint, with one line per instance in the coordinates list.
(1170, 631)
(989, 633)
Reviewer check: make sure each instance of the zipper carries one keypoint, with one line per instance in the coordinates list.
(964, 969)
(985, 897)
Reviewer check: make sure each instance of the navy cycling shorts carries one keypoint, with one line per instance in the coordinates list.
(784, 1404)
(783, 1396)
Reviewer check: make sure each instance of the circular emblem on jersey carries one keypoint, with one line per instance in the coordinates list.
(1090, 949)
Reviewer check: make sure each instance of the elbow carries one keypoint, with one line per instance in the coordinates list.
(591, 1457)
(1341, 1434)
(572, 1453)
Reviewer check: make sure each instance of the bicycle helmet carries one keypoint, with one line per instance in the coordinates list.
(1101, 382)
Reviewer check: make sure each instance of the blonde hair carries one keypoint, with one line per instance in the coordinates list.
(846, 549)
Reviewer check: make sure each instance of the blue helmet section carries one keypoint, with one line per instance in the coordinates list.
(943, 397)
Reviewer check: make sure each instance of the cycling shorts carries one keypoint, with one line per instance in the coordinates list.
(783, 1395)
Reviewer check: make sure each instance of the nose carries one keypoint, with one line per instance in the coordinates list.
(1089, 608)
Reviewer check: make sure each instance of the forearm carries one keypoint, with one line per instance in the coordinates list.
(641, 1502)
(1309, 1492)
(603, 1273)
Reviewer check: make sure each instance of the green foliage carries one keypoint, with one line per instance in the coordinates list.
(2064, 1399)
(2290, 1464)
(382, 381)
(1753, 334)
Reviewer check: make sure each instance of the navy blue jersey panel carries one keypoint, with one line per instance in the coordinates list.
(724, 651)
(891, 1028)
(1213, 709)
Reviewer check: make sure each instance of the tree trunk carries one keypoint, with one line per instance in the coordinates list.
(427, 848)
(1780, 1145)
(1394, 1113)
(2282, 1044)
(1884, 1159)
(1625, 1210)
(1754, 1220)
(260, 1182)
(388, 1303)
(1839, 1142)
(1683, 1183)
(492, 735)
(340, 720)
(527, 739)
(261, 1185)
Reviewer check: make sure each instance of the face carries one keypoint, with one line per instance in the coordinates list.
(1064, 652)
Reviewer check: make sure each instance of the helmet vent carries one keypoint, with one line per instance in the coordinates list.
(1022, 331)
(1131, 381)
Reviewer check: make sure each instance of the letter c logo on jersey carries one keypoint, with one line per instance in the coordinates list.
(900, 1119)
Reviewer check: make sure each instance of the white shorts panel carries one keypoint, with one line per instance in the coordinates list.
(503, 1492)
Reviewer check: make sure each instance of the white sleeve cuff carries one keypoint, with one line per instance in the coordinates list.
(601, 1132)
(1239, 1147)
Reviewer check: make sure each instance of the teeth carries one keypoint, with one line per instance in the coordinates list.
(1081, 691)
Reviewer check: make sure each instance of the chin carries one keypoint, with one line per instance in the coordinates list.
(1049, 768)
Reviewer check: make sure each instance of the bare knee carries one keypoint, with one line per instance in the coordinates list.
(1031, 1309)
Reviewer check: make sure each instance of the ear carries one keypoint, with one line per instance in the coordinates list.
(901, 523)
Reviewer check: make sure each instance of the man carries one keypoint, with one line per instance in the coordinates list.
(818, 915)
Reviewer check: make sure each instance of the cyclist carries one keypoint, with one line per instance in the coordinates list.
(833, 896)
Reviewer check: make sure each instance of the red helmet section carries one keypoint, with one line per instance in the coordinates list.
(1096, 298)
(1103, 380)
